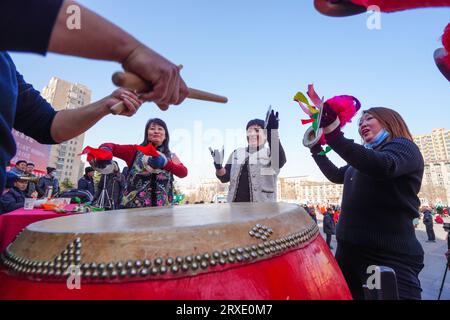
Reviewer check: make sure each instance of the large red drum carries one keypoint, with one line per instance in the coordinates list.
(231, 251)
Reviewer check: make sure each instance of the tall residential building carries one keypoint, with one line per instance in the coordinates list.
(435, 146)
(65, 157)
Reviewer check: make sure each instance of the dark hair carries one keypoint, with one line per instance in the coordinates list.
(50, 170)
(164, 148)
(255, 122)
(31, 164)
(88, 169)
(392, 121)
(20, 161)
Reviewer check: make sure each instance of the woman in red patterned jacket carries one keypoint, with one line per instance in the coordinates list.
(150, 178)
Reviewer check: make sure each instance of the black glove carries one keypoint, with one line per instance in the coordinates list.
(316, 149)
(218, 157)
(273, 121)
(328, 116)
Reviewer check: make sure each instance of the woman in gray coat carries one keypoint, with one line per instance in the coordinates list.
(253, 171)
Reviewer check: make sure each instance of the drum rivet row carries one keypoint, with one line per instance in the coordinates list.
(260, 231)
(142, 268)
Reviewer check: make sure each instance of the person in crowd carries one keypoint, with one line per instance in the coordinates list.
(20, 168)
(42, 27)
(86, 182)
(311, 213)
(381, 180)
(252, 171)
(439, 219)
(14, 198)
(150, 178)
(47, 183)
(337, 212)
(329, 228)
(429, 224)
(32, 183)
(114, 185)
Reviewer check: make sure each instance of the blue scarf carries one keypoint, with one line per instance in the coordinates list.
(381, 136)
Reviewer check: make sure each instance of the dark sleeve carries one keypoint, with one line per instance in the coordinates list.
(9, 203)
(26, 25)
(34, 115)
(100, 186)
(56, 186)
(226, 178)
(281, 154)
(333, 173)
(397, 157)
(283, 158)
(31, 189)
(40, 187)
(82, 185)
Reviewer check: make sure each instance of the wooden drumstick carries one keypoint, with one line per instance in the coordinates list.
(132, 82)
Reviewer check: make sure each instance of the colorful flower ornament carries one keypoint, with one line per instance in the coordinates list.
(345, 107)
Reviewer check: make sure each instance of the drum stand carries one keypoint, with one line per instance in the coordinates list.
(104, 200)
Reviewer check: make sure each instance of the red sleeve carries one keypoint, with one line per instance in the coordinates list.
(124, 152)
(177, 169)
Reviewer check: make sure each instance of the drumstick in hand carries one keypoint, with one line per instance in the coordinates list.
(132, 82)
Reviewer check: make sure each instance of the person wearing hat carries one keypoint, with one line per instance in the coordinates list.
(15, 197)
(252, 171)
(86, 182)
(47, 181)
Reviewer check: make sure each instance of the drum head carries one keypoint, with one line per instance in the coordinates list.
(158, 243)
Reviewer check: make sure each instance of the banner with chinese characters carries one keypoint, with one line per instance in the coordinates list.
(31, 151)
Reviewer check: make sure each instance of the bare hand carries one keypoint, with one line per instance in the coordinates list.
(129, 99)
(168, 86)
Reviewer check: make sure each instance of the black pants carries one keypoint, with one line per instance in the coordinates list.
(430, 233)
(354, 261)
(329, 237)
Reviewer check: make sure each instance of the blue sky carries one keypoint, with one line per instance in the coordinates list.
(260, 53)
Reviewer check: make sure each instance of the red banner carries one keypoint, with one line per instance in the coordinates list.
(31, 151)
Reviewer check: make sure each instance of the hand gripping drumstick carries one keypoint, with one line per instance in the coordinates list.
(132, 82)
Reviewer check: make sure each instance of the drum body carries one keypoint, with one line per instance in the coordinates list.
(209, 252)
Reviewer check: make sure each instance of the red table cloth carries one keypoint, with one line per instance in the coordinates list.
(11, 224)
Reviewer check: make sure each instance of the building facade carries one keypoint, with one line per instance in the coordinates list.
(304, 190)
(435, 148)
(207, 191)
(65, 157)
